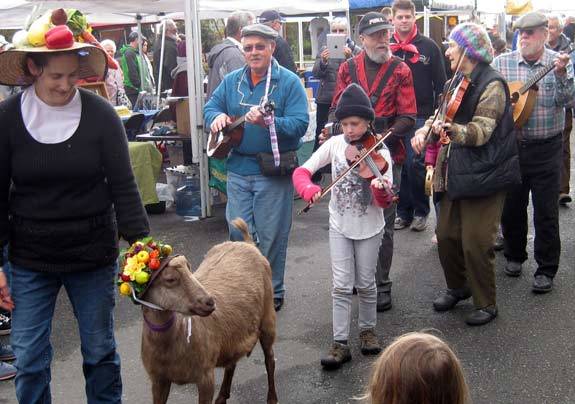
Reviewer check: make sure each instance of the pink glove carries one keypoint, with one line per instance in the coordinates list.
(383, 197)
(301, 179)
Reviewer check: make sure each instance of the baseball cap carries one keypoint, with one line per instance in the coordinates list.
(373, 22)
(269, 16)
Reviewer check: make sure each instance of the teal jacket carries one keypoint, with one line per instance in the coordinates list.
(234, 97)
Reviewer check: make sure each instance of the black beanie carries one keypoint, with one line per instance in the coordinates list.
(354, 102)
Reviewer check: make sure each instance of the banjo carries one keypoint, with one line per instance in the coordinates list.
(220, 144)
(523, 95)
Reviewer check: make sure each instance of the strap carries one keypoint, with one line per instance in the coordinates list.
(353, 71)
(375, 96)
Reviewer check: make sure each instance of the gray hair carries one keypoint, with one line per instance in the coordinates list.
(339, 22)
(237, 20)
(557, 18)
(108, 42)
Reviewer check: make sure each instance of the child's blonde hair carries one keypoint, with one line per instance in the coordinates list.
(417, 368)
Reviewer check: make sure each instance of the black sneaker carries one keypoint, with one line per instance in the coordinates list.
(6, 353)
(5, 323)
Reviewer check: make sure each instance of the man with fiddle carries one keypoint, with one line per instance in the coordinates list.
(540, 152)
(389, 85)
(477, 161)
(259, 187)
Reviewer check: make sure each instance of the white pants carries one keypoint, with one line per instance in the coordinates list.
(353, 263)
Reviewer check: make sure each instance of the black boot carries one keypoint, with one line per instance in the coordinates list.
(450, 298)
(481, 316)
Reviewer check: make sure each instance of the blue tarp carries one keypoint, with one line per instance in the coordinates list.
(356, 4)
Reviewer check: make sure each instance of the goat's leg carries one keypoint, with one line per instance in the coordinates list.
(206, 388)
(267, 340)
(160, 390)
(226, 388)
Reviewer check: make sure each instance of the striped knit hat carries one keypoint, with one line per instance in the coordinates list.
(474, 38)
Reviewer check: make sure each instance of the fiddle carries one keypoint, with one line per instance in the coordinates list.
(452, 107)
(373, 164)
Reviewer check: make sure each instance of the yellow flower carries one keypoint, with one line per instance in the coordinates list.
(132, 260)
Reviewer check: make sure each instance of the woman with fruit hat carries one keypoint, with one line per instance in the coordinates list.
(66, 192)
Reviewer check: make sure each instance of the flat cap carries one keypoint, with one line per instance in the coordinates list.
(373, 22)
(269, 16)
(259, 30)
(533, 19)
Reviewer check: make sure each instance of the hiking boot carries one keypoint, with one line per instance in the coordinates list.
(338, 355)
(5, 322)
(419, 223)
(449, 298)
(513, 269)
(6, 353)
(400, 224)
(7, 371)
(369, 344)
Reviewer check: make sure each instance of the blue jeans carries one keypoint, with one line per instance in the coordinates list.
(266, 204)
(92, 297)
(412, 198)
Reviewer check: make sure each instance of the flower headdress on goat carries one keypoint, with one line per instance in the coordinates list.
(138, 264)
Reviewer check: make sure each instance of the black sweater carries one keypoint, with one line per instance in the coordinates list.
(428, 73)
(62, 205)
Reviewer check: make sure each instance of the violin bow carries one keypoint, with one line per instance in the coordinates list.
(346, 171)
(442, 104)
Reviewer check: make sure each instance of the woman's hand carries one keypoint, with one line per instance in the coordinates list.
(316, 197)
(438, 127)
(418, 141)
(324, 56)
(5, 298)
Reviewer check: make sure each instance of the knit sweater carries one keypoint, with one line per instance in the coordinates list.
(62, 205)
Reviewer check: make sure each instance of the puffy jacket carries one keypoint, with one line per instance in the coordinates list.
(130, 63)
(478, 171)
(327, 73)
(235, 96)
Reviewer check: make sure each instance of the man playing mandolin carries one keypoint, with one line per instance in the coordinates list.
(476, 162)
(540, 151)
(259, 187)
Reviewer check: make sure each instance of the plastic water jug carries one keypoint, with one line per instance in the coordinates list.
(188, 199)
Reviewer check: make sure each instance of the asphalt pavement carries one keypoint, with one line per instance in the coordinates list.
(525, 356)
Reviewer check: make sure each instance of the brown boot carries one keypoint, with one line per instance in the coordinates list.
(337, 356)
(368, 342)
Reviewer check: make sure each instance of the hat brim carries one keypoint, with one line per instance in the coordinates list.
(13, 71)
(375, 28)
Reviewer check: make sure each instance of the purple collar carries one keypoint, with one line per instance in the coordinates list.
(163, 327)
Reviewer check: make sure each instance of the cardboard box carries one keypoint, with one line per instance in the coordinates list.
(183, 117)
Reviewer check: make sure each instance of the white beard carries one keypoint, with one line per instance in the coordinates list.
(377, 57)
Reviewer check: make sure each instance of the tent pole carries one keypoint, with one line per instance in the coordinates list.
(300, 40)
(196, 99)
(161, 67)
(141, 55)
(426, 21)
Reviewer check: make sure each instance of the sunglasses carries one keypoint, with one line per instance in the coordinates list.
(258, 47)
(529, 32)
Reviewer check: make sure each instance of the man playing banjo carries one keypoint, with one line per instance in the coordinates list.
(259, 186)
(540, 152)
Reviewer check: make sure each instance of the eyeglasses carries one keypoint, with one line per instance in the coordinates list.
(529, 32)
(338, 31)
(258, 47)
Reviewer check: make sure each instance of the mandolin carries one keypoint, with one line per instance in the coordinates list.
(523, 95)
(220, 144)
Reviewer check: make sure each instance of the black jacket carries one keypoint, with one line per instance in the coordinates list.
(428, 73)
(170, 61)
(283, 54)
(479, 171)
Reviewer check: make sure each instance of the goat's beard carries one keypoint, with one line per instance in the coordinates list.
(378, 57)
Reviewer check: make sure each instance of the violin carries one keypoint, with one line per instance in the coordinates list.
(373, 164)
(452, 107)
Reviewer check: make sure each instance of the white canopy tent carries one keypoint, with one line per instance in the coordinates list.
(13, 14)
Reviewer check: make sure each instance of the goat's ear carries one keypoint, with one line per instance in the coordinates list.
(179, 261)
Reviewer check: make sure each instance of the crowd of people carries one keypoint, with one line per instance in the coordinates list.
(456, 137)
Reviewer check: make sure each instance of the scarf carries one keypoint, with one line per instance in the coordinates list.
(406, 46)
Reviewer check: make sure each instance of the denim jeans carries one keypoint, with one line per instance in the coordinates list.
(412, 198)
(92, 297)
(266, 204)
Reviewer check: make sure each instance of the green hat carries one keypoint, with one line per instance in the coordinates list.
(533, 19)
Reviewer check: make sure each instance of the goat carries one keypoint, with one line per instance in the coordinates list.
(232, 294)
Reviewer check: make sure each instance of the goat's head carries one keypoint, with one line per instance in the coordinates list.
(176, 289)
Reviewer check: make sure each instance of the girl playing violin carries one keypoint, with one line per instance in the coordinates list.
(355, 223)
(476, 162)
